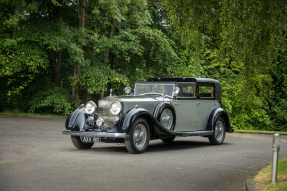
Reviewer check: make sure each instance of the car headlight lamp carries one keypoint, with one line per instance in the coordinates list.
(99, 122)
(116, 108)
(90, 107)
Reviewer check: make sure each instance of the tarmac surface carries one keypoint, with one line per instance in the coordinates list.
(34, 155)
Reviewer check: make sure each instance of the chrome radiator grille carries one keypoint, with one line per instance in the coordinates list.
(104, 111)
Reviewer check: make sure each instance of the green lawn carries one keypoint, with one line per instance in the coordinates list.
(259, 131)
(264, 178)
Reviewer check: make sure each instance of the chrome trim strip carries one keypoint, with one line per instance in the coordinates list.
(94, 134)
(193, 133)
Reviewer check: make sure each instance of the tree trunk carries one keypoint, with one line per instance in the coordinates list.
(55, 61)
(106, 58)
(57, 68)
(85, 93)
(75, 87)
(111, 31)
(55, 58)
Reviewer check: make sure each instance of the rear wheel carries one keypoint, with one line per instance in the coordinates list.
(76, 140)
(138, 137)
(218, 133)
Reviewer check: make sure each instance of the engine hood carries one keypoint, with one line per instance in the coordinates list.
(136, 98)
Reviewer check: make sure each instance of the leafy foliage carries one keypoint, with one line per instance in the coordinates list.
(236, 42)
(41, 41)
(278, 97)
(52, 97)
(241, 43)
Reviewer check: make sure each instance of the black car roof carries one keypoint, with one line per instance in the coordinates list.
(183, 79)
(190, 79)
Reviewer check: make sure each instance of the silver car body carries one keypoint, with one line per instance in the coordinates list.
(194, 110)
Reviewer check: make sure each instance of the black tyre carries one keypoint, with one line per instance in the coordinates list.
(79, 144)
(218, 132)
(137, 139)
(168, 140)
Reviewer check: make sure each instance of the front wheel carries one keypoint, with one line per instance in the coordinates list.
(138, 137)
(218, 133)
(79, 144)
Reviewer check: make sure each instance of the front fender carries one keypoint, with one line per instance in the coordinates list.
(213, 117)
(77, 119)
(124, 124)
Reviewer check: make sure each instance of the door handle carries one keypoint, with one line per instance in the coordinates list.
(199, 103)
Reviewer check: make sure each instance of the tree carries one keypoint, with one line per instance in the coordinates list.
(277, 100)
(34, 37)
(75, 86)
(237, 43)
(50, 56)
(253, 30)
(125, 45)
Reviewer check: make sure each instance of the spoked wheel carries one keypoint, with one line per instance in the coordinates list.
(219, 132)
(166, 119)
(79, 144)
(137, 139)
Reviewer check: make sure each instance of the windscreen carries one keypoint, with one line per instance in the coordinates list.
(154, 88)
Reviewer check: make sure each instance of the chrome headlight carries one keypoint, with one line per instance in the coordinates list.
(90, 107)
(116, 108)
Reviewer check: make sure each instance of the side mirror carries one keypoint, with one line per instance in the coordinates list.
(176, 90)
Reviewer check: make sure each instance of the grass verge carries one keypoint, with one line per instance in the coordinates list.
(263, 179)
(31, 114)
(260, 131)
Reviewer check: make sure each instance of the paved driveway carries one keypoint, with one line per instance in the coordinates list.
(34, 155)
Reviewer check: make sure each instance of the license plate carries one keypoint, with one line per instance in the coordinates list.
(91, 139)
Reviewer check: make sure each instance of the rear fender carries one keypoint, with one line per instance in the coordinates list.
(159, 109)
(213, 117)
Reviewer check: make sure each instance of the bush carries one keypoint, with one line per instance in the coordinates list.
(53, 97)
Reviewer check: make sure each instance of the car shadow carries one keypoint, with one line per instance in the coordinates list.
(176, 145)
(156, 146)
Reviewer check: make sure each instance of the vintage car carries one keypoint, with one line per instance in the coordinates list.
(162, 108)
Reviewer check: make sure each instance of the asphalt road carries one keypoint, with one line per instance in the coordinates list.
(34, 155)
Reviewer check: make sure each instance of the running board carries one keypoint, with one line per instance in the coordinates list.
(193, 133)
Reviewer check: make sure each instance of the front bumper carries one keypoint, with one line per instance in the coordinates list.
(94, 134)
(231, 129)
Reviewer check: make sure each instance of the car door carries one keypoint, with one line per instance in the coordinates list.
(206, 103)
(186, 107)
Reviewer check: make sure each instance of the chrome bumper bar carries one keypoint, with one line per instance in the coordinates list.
(94, 134)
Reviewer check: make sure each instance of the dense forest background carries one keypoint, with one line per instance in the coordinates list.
(56, 54)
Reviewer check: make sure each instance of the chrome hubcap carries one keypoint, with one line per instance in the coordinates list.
(219, 131)
(140, 135)
(166, 119)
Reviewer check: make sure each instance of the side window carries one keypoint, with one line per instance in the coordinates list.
(187, 89)
(206, 91)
